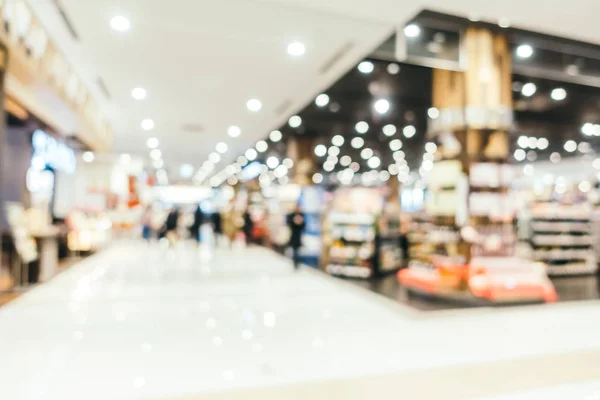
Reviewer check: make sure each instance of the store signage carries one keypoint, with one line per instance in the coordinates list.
(52, 153)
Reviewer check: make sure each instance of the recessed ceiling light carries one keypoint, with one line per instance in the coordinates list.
(186, 170)
(214, 157)
(433, 113)
(251, 154)
(234, 131)
(524, 51)
(587, 129)
(570, 146)
(395, 144)
(152, 143)
(558, 94)
(393, 69)
(523, 141)
(409, 131)
(382, 106)
(504, 23)
(155, 154)
(374, 162)
(531, 155)
(120, 23)
(366, 153)
(320, 150)
(572, 69)
(430, 147)
(474, 17)
(584, 147)
(542, 143)
(125, 159)
(322, 100)
(389, 130)
(357, 142)
(147, 124)
(275, 136)
(412, 30)
(222, 147)
(347, 160)
(337, 140)
(528, 89)
(334, 151)
(520, 154)
(262, 146)
(88, 156)
(295, 121)
(361, 127)
(366, 67)
(272, 162)
(139, 93)
(254, 105)
(532, 142)
(555, 157)
(317, 178)
(296, 49)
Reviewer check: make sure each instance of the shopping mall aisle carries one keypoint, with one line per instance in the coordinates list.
(141, 322)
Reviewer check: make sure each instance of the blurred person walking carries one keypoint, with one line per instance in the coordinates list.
(171, 226)
(248, 228)
(230, 225)
(146, 222)
(217, 223)
(197, 224)
(296, 221)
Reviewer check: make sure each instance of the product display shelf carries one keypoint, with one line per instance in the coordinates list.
(561, 236)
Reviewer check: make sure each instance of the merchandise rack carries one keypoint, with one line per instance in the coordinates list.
(561, 236)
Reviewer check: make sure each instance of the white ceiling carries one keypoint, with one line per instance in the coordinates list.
(202, 60)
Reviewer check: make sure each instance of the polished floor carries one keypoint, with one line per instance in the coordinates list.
(143, 322)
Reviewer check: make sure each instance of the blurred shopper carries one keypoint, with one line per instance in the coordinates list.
(197, 224)
(230, 225)
(146, 223)
(171, 226)
(217, 222)
(296, 221)
(248, 228)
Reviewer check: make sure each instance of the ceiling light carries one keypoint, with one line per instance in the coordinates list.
(320, 150)
(138, 93)
(520, 154)
(334, 151)
(412, 30)
(317, 178)
(531, 155)
(328, 166)
(152, 143)
(399, 156)
(433, 113)
(366, 67)
(262, 146)
(523, 142)
(524, 51)
(361, 127)
(393, 169)
(558, 94)
(214, 157)
(120, 23)
(570, 146)
(272, 162)
(222, 147)
(296, 49)
(430, 147)
(572, 69)
(158, 163)
(345, 161)
(585, 186)
(504, 23)
(393, 69)
(584, 147)
(147, 124)
(186, 170)
(234, 131)
(155, 154)
(409, 131)
(374, 162)
(395, 144)
(288, 163)
(555, 157)
(474, 17)
(382, 106)
(366, 153)
(275, 136)
(241, 160)
(542, 143)
(337, 140)
(251, 154)
(355, 166)
(88, 156)
(389, 130)
(357, 142)
(587, 129)
(528, 89)
(322, 100)
(125, 159)
(295, 121)
(254, 105)
(532, 142)
(333, 159)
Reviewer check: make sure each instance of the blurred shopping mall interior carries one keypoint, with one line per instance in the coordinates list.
(297, 199)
